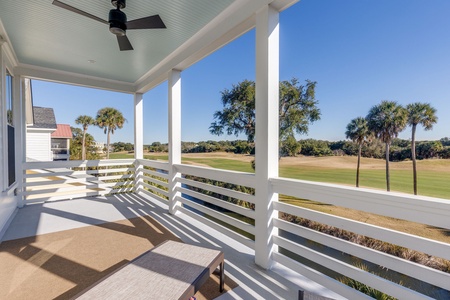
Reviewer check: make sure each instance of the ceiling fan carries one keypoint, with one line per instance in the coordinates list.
(117, 21)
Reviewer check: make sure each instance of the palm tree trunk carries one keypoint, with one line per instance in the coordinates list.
(83, 146)
(413, 156)
(388, 183)
(107, 144)
(357, 166)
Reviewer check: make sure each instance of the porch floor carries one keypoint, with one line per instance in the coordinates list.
(253, 281)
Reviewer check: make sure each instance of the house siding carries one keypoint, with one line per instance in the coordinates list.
(39, 145)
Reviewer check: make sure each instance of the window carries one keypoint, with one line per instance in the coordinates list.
(9, 99)
(9, 120)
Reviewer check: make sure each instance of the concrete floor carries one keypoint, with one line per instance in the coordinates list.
(254, 282)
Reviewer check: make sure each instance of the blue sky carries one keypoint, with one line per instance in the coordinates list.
(360, 52)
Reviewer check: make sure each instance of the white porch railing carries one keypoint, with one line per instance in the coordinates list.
(423, 210)
(152, 179)
(229, 208)
(201, 199)
(56, 180)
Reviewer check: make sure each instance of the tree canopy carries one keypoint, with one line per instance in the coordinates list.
(85, 121)
(425, 115)
(76, 145)
(386, 120)
(358, 132)
(297, 109)
(109, 119)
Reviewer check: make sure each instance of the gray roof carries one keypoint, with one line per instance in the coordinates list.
(43, 117)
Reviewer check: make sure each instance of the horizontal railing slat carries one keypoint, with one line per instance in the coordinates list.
(239, 178)
(219, 190)
(76, 163)
(63, 189)
(116, 177)
(48, 173)
(155, 181)
(154, 164)
(222, 217)
(155, 189)
(236, 236)
(425, 210)
(43, 183)
(106, 171)
(154, 173)
(153, 196)
(221, 203)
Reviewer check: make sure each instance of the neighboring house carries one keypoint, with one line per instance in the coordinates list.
(39, 134)
(99, 147)
(60, 140)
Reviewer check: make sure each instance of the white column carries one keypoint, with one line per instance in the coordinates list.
(19, 133)
(138, 126)
(174, 137)
(138, 139)
(267, 127)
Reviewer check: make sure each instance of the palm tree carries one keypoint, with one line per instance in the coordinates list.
(109, 119)
(425, 115)
(85, 121)
(386, 120)
(358, 132)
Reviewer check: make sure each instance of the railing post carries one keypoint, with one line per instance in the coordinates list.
(138, 140)
(267, 127)
(174, 137)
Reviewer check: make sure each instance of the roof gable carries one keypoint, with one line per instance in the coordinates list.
(43, 117)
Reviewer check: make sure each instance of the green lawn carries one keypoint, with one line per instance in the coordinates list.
(218, 163)
(222, 163)
(430, 182)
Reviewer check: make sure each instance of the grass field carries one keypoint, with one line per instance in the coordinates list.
(433, 175)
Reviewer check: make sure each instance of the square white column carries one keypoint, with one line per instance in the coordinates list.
(138, 126)
(19, 133)
(267, 127)
(138, 139)
(174, 138)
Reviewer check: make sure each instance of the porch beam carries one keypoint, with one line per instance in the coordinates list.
(76, 79)
(267, 127)
(174, 138)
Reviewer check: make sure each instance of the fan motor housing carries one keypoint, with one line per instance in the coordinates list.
(117, 22)
(120, 4)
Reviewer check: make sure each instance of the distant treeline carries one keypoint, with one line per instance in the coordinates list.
(238, 146)
(400, 149)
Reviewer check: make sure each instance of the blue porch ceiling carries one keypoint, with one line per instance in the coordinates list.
(48, 36)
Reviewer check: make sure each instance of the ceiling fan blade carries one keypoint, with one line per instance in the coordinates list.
(78, 11)
(124, 43)
(146, 23)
